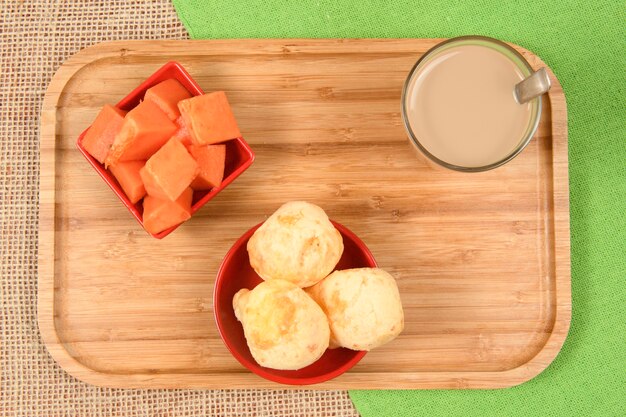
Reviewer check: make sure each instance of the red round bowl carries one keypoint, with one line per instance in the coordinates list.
(236, 273)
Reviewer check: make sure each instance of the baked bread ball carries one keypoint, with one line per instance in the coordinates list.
(297, 243)
(363, 307)
(283, 326)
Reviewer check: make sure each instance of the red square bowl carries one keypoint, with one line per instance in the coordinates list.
(239, 155)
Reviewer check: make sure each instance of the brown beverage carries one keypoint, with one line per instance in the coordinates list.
(460, 106)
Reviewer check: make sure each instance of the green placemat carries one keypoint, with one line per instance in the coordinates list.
(584, 43)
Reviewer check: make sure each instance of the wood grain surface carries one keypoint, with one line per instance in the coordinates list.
(482, 260)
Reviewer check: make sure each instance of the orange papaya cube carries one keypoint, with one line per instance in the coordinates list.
(166, 95)
(211, 160)
(209, 118)
(182, 134)
(145, 129)
(159, 214)
(169, 171)
(100, 136)
(127, 174)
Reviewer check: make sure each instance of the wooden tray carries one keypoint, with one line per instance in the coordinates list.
(482, 260)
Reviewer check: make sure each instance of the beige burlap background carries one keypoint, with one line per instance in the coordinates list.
(36, 37)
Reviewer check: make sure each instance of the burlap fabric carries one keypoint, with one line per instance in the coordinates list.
(36, 37)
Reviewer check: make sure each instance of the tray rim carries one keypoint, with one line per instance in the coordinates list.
(361, 380)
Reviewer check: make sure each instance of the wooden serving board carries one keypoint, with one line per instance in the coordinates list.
(482, 260)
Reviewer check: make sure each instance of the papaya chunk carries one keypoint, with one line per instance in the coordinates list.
(169, 171)
(209, 118)
(210, 159)
(127, 174)
(166, 95)
(100, 136)
(145, 129)
(160, 214)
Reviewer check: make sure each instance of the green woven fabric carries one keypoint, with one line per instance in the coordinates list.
(584, 43)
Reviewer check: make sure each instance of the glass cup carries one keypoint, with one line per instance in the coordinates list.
(437, 112)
